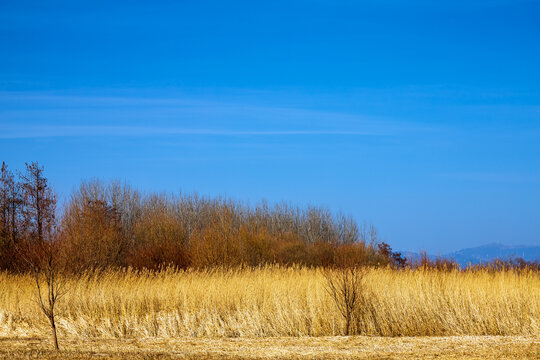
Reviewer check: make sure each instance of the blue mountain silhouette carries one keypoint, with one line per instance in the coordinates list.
(486, 253)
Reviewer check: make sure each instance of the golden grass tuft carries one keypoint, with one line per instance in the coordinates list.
(275, 302)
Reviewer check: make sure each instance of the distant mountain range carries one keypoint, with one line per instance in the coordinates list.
(485, 253)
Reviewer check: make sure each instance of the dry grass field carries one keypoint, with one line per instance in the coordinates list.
(294, 348)
(277, 312)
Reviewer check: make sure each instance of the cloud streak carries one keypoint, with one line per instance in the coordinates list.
(43, 115)
(34, 115)
(17, 132)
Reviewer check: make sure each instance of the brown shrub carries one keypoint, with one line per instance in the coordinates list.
(92, 236)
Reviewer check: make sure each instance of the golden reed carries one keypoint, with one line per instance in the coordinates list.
(276, 301)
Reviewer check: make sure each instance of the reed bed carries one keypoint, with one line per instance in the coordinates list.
(275, 301)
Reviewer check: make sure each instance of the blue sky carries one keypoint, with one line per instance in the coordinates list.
(420, 117)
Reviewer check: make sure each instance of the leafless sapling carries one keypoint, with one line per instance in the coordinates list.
(345, 286)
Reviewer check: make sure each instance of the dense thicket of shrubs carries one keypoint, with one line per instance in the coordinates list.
(105, 225)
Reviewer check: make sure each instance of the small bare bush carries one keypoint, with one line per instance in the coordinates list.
(346, 287)
(49, 286)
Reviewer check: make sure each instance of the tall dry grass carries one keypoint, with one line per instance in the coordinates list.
(276, 301)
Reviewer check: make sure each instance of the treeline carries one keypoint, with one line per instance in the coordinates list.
(105, 225)
(113, 225)
(27, 216)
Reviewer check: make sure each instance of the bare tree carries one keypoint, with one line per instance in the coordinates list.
(49, 286)
(10, 203)
(4, 202)
(345, 286)
(39, 248)
(39, 202)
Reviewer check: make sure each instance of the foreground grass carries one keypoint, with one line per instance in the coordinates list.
(357, 347)
(275, 302)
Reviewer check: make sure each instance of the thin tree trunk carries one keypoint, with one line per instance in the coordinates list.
(55, 338)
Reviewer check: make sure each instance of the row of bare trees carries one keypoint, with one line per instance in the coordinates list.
(113, 225)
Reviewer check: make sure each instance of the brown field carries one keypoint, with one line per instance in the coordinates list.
(338, 347)
(276, 312)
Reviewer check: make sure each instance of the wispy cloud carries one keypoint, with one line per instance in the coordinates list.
(14, 132)
(34, 115)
